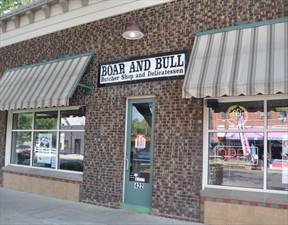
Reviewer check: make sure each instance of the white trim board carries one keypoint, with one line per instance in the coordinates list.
(92, 12)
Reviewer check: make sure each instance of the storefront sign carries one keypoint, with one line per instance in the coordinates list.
(43, 148)
(145, 68)
(140, 179)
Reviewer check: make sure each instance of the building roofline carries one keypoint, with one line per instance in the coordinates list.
(31, 6)
(48, 16)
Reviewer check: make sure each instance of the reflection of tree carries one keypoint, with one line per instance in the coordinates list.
(23, 137)
(46, 123)
(7, 6)
(138, 127)
(24, 120)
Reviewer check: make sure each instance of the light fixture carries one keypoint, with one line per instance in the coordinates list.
(132, 31)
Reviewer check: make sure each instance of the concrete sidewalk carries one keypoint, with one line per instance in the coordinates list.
(17, 208)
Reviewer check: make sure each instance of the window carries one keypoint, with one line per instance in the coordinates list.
(22, 138)
(48, 139)
(241, 136)
(140, 148)
(277, 145)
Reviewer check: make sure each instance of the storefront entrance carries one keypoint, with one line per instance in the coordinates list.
(138, 156)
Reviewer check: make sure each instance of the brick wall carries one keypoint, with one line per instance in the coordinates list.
(178, 128)
(2, 143)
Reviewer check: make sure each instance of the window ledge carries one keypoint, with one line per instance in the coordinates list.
(249, 196)
(66, 176)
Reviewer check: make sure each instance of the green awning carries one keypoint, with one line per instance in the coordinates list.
(248, 60)
(47, 84)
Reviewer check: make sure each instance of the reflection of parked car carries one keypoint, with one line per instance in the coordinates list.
(279, 164)
(142, 156)
(71, 162)
(23, 154)
(23, 146)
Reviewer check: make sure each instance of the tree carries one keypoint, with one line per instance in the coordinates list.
(7, 6)
(139, 127)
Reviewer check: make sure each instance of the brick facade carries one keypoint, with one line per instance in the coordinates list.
(3, 122)
(178, 122)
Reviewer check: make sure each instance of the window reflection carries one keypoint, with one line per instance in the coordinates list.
(140, 158)
(72, 120)
(21, 148)
(236, 159)
(46, 120)
(22, 121)
(278, 114)
(277, 161)
(71, 151)
(45, 131)
(234, 116)
(236, 151)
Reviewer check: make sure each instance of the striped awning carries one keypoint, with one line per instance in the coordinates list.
(46, 84)
(247, 60)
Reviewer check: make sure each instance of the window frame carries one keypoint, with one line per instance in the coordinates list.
(10, 130)
(265, 131)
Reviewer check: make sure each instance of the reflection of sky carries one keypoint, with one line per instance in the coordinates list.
(136, 114)
(73, 121)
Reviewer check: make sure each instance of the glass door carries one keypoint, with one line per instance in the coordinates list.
(139, 157)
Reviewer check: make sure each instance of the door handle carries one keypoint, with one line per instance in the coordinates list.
(127, 164)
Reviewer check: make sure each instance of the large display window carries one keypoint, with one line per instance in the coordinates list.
(51, 139)
(248, 144)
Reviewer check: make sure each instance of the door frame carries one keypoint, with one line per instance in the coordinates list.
(124, 205)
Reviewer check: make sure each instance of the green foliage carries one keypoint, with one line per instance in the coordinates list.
(43, 122)
(7, 6)
(24, 138)
(46, 123)
(139, 127)
(24, 121)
